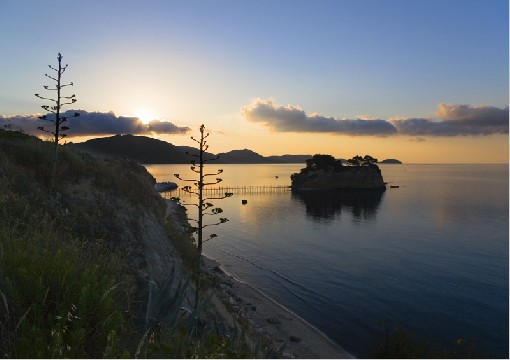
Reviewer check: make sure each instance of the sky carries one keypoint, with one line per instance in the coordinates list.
(423, 81)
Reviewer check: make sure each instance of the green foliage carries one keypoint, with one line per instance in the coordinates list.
(131, 180)
(183, 343)
(60, 299)
(184, 244)
(63, 294)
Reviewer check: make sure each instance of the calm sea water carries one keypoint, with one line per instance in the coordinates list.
(431, 255)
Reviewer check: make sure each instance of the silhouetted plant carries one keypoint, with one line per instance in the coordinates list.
(323, 162)
(362, 161)
(205, 207)
(199, 184)
(54, 110)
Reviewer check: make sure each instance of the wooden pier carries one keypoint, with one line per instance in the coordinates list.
(236, 190)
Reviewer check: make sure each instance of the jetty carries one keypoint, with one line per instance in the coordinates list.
(236, 190)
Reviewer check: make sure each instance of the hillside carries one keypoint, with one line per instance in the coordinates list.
(242, 157)
(93, 271)
(143, 149)
(146, 150)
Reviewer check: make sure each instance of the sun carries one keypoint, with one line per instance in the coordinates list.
(145, 116)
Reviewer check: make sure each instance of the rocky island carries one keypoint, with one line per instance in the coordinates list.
(391, 161)
(323, 172)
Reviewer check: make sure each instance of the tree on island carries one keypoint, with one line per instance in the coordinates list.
(57, 128)
(205, 208)
(323, 162)
(366, 160)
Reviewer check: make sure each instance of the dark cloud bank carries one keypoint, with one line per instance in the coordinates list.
(94, 123)
(451, 120)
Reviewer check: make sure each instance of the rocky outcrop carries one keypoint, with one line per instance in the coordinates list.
(346, 178)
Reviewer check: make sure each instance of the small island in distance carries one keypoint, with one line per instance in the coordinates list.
(391, 161)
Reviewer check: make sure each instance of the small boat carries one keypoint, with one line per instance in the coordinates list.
(165, 186)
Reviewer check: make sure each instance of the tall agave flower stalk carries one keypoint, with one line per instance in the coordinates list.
(204, 206)
(53, 116)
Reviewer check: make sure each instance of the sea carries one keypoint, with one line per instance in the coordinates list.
(429, 255)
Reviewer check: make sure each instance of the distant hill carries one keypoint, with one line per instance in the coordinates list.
(147, 150)
(290, 159)
(243, 157)
(143, 149)
(390, 161)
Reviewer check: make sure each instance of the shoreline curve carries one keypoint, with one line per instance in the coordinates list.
(280, 324)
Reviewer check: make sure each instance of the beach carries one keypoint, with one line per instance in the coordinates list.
(282, 327)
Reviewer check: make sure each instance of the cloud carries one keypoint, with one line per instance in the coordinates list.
(450, 120)
(93, 123)
(455, 120)
(293, 119)
(166, 127)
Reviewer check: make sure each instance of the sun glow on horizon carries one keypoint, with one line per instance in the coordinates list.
(145, 116)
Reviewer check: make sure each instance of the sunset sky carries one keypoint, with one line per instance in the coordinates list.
(423, 81)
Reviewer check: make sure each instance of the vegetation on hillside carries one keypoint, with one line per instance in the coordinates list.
(65, 293)
(69, 269)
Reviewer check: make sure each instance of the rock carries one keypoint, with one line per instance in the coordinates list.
(346, 178)
(274, 321)
(287, 355)
(165, 186)
(295, 338)
(217, 269)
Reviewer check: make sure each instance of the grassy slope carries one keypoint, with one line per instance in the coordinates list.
(74, 271)
(68, 287)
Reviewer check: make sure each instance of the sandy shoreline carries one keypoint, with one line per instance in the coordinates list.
(284, 328)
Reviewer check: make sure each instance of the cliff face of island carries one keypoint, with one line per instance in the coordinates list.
(344, 178)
